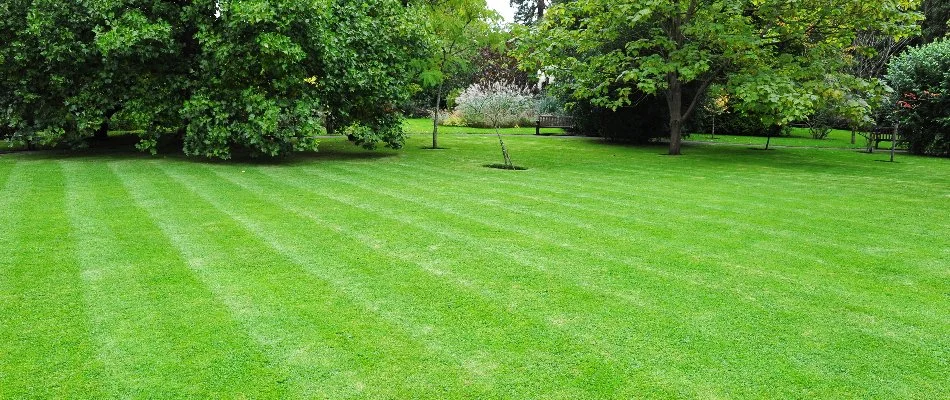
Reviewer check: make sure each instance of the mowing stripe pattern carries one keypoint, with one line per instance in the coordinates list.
(599, 272)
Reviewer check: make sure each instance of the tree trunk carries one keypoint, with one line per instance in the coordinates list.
(435, 117)
(504, 151)
(541, 7)
(714, 127)
(102, 133)
(674, 100)
(894, 142)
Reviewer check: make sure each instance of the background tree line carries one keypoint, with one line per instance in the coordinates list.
(215, 77)
(638, 70)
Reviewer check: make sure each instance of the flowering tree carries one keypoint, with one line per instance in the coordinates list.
(496, 105)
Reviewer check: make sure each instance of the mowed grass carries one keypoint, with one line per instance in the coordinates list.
(600, 272)
(797, 137)
(423, 126)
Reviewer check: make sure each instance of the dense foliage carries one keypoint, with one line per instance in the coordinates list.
(496, 105)
(922, 97)
(777, 59)
(47, 49)
(262, 77)
(457, 30)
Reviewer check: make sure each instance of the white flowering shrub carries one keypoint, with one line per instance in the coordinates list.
(498, 105)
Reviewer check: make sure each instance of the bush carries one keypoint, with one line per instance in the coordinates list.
(548, 104)
(922, 97)
(734, 123)
(640, 123)
(500, 105)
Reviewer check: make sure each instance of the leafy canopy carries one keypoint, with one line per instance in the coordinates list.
(775, 58)
(257, 76)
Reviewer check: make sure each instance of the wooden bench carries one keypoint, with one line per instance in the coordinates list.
(885, 134)
(552, 121)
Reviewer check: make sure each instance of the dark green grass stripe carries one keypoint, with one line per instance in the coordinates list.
(160, 331)
(771, 237)
(6, 167)
(325, 333)
(749, 208)
(744, 279)
(632, 210)
(858, 317)
(648, 168)
(435, 286)
(583, 323)
(45, 346)
(796, 201)
(756, 232)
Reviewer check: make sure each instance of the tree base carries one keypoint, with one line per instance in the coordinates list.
(505, 167)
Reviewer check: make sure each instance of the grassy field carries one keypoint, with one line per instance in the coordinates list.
(423, 126)
(600, 272)
(799, 137)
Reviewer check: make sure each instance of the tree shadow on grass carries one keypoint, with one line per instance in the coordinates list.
(742, 156)
(122, 148)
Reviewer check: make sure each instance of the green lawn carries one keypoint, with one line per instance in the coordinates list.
(600, 272)
(799, 137)
(423, 126)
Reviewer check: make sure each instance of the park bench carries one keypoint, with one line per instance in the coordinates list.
(882, 134)
(552, 121)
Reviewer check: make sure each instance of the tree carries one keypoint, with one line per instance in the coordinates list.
(773, 57)
(48, 71)
(529, 11)
(458, 30)
(496, 104)
(253, 76)
(922, 97)
(936, 24)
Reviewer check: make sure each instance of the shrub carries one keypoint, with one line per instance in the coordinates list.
(548, 104)
(643, 122)
(735, 123)
(501, 105)
(922, 97)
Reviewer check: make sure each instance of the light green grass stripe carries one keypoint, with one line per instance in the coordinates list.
(329, 346)
(580, 322)
(774, 203)
(793, 298)
(771, 221)
(423, 274)
(745, 279)
(452, 257)
(801, 242)
(45, 346)
(160, 331)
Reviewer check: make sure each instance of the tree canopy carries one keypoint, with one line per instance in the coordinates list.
(774, 58)
(263, 77)
(457, 31)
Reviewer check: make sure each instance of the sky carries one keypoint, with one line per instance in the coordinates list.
(503, 7)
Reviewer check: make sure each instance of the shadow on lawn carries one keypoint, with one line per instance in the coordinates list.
(122, 148)
(745, 156)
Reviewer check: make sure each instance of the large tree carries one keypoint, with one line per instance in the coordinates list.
(254, 76)
(49, 68)
(458, 30)
(774, 58)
